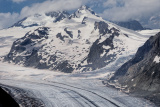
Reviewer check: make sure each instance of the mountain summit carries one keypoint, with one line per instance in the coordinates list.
(83, 11)
(82, 42)
(42, 19)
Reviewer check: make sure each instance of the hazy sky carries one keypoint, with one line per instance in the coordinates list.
(116, 10)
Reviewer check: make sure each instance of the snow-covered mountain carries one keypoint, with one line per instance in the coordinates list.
(82, 41)
(142, 73)
(42, 19)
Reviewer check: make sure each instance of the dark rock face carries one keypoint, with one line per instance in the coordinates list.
(68, 32)
(142, 73)
(64, 67)
(103, 27)
(60, 36)
(19, 23)
(84, 20)
(134, 25)
(59, 15)
(27, 51)
(28, 45)
(62, 15)
(94, 58)
(52, 14)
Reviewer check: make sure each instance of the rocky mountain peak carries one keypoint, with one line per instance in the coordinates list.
(84, 7)
(83, 11)
(83, 43)
(42, 19)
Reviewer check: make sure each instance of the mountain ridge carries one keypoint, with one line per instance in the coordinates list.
(42, 19)
(82, 43)
(141, 74)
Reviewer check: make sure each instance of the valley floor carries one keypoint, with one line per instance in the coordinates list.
(44, 88)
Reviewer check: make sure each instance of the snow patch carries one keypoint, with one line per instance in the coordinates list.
(157, 59)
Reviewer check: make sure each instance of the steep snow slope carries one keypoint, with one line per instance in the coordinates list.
(19, 29)
(82, 42)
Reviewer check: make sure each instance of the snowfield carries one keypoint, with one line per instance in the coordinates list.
(56, 89)
(80, 42)
(46, 88)
(8, 36)
(34, 87)
(149, 32)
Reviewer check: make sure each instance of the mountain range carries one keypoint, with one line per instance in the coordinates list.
(82, 41)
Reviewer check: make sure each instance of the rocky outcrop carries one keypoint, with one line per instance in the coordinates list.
(142, 72)
(98, 56)
(25, 49)
(58, 15)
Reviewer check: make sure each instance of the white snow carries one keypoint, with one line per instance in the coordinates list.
(75, 49)
(106, 47)
(157, 59)
(149, 32)
(8, 36)
(78, 89)
(39, 19)
(73, 90)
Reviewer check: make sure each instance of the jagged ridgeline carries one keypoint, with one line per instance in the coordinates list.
(82, 41)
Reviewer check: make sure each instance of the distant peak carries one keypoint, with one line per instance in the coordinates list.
(83, 10)
(83, 7)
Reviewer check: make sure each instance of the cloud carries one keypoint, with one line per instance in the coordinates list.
(110, 3)
(18, 1)
(115, 10)
(130, 9)
(52, 5)
(8, 19)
